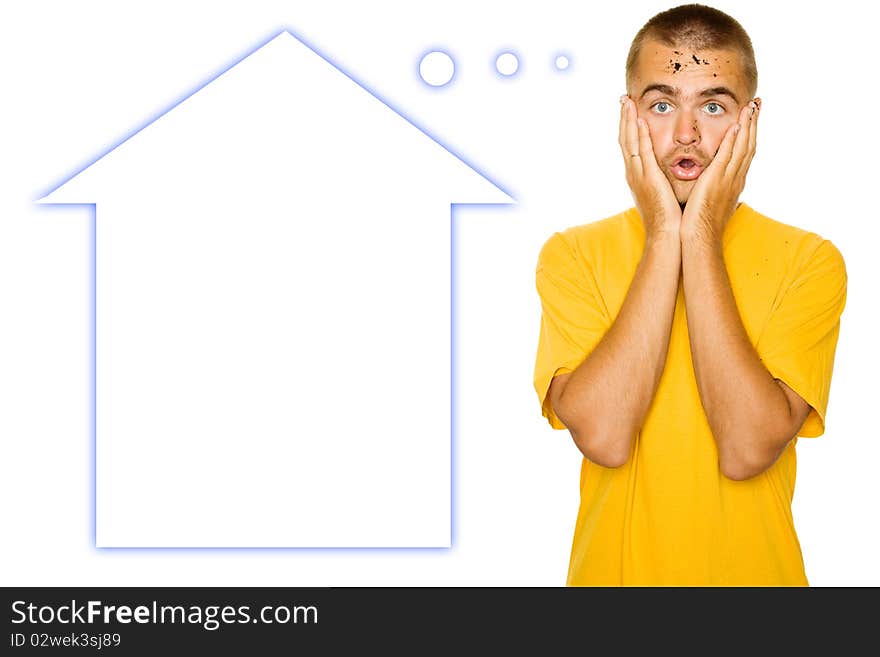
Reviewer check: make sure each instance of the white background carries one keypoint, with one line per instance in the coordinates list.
(79, 76)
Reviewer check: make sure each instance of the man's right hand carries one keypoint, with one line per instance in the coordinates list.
(651, 191)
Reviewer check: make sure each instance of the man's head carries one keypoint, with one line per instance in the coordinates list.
(689, 71)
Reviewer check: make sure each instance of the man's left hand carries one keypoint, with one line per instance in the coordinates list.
(716, 194)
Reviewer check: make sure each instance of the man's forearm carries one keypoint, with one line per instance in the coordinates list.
(743, 403)
(605, 399)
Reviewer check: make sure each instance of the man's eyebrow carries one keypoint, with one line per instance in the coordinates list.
(719, 91)
(705, 93)
(662, 88)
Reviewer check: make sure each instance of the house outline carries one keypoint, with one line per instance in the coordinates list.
(92, 208)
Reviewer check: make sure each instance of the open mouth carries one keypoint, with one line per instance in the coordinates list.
(686, 169)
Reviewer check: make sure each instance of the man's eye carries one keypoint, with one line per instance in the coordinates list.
(714, 108)
(661, 107)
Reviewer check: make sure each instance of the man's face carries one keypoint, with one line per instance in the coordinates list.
(688, 99)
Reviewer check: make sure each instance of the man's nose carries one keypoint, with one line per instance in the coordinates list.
(687, 129)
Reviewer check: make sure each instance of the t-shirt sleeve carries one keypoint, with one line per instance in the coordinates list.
(800, 339)
(573, 317)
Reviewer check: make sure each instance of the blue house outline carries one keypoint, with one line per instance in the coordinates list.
(92, 208)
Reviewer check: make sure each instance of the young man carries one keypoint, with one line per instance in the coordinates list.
(686, 342)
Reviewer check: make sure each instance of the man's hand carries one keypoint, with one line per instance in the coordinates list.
(605, 400)
(651, 190)
(716, 194)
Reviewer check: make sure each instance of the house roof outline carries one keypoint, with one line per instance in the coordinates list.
(45, 197)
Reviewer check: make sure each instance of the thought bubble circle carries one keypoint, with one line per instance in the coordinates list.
(436, 68)
(507, 64)
(561, 62)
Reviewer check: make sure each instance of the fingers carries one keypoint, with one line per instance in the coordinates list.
(741, 143)
(630, 133)
(725, 153)
(629, 142)
(646, 147)
(753, 135)
(621, 135)
(744, 150)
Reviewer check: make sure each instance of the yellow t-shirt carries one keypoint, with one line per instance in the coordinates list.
(668, 517)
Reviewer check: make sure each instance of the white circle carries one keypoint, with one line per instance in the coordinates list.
(562, 62)
(436, 68)
(507, 63)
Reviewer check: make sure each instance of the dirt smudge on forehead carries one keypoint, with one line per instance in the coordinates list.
(681, 62)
